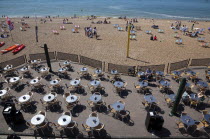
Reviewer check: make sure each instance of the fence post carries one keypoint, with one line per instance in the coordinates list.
(55, 54)
(168, 68)
(103, 66)
(25, 59)
(79, 59)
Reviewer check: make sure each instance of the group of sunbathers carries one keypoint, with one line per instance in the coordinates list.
(89, 32)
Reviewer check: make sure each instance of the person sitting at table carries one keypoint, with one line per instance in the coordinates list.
(131, 71)
(149, 73)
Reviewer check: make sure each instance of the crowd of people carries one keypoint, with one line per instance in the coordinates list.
(91, 32)
(101, 22)
(130, 23)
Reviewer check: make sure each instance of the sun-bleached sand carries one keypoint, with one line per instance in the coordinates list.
(111, 46)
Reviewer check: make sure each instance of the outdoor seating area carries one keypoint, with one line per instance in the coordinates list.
(85, 105)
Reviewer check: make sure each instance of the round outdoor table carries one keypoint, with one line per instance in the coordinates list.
(95, 98)
(37, 119)
(187, 120)
(191, 72)
(114, 72)
(150, 98)
(14, 79)
(188, 85)
(92, 121)
(118, 84)
(95, 83)
(66, 63)
(176, 73)
(185, 94)
(34, 61)
(71, 98)
(44, 69)
(141, 73)
(83, 69)
(8, 67)
(34, 81)
(172, 97)
(165, 83)
(62, 70)
(194, 96)
(64, 120)
(207, 117)
(48, 97)
(118, 106)
(54, 82)
(202, 84)
(3, 92)
(159, 73)
(75, 82)
(143, 84)
(98, 71)
(23, 69)
(24, 98)
(132, 31)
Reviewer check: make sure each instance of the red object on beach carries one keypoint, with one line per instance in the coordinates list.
(1, 44)
(19, 48)
(10, 48)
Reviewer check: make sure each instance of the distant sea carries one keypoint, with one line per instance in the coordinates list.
(164, 9)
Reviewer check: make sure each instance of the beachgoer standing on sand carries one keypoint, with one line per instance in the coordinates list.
(132, 27)
(192, 27)
(87, 29)
(95, 32)
(151, 38)
(90, 32)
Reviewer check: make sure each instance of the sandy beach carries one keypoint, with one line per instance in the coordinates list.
(111, 46)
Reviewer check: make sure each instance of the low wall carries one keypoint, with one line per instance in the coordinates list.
(152, 67)
(120, 68)
(91, 62)
(200, 62)
(178, 65)
(66, 56)
(42, 56)
(15, 62)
